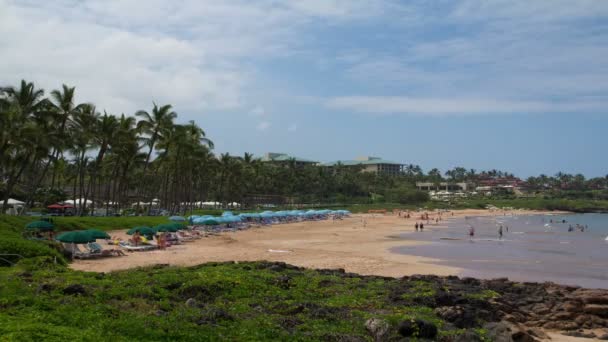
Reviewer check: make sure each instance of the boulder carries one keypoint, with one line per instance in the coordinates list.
(470, 336)
(459, 316)
(417, 328)
(596, 309)
(377, 328)
(498, 332)
(191, 302)
(74, 290)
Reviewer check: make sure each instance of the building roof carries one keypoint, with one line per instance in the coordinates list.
(362, 161)
(284, 157)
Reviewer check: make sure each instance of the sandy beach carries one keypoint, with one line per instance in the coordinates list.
(359, 244)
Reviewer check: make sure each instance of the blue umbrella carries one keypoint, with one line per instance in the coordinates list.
(227, 213)
(177, 218)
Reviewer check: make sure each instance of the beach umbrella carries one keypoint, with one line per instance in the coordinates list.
(177, 218)
(81, 236)
(227, 213)
(211, 222)
(40, 225)
(143, 230)
(166, 228)
(98, 234)
(178, 226)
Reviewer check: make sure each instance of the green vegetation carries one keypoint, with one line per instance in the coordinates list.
(535, 203)
(51, 146)
(237, 302)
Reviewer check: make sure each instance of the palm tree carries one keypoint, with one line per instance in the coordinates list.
(64, 111)
(106, 129)
(19, 131)
(153, 125)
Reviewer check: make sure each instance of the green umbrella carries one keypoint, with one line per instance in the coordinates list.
(98, 234)
(210, 222)
(40, 225)
(168, 227)
(178, 226)
(81, 236)
(143, 230)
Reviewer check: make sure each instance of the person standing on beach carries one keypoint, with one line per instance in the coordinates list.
(500, 233)
(416, 226)
(471, 233)
(421, 226)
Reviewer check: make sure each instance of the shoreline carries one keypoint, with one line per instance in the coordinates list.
(348, 244)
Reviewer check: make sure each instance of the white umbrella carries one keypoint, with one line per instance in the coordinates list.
(78, 201)
(12, 201)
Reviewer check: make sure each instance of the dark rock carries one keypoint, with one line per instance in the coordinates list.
(337, 337)
(459, 316)
(560, 325)
(498, 332)
(471, 281)
(471, 336)
(522, 336)
(596, 309)
(603, 337)
(536, 332)
(44, 288)
(561, 316)
(173, 286)
(283, 282)
(377, 328)
(247, 268)
(325, 283)
(160, 313)
(417, 328)
(443, 298)
(289, 323)
(580, 334)
(213, 316)
(541, 309)
(276, 268)
(572, 306)
(74, 290)
(191, 302)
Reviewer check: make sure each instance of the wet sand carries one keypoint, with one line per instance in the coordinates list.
(351, 244)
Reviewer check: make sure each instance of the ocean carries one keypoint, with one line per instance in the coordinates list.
(535, 248)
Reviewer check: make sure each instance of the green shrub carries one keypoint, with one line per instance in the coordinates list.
(46, 263)
(26, 249)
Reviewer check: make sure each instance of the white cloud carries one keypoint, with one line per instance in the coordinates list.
(122, 55)
(258, 111)
(262, 126)
(454, 106)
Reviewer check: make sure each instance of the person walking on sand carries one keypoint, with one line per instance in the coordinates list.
(421, 226)
(416, 226)
(500, 233)
(471, 233)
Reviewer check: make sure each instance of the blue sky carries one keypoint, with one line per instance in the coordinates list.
(506, 84)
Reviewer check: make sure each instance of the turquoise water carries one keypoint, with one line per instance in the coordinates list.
(535, 248)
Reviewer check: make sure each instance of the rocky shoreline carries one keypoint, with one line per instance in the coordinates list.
(507, 310)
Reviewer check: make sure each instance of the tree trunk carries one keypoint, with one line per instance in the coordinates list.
(12, 180)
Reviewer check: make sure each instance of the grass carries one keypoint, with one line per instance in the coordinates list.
(225, 301)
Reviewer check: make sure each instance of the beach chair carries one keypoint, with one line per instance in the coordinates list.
(76, 252)
(139, 248)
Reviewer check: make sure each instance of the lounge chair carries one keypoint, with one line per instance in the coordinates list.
(76, 252)
(139, 248)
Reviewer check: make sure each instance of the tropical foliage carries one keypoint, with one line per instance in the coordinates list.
(53, 148)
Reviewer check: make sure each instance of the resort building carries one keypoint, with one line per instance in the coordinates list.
(429, 186)
(376, 165)
(285, 159)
